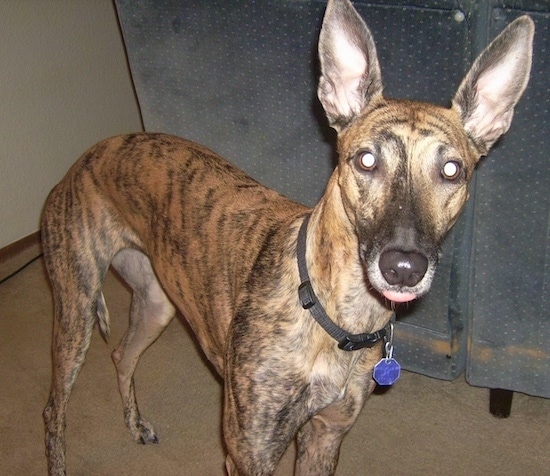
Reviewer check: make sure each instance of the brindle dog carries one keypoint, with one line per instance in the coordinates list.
(188, 230)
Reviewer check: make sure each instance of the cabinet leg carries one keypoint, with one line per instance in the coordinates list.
(500, 402)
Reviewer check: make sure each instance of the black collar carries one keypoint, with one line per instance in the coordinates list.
(308, 299)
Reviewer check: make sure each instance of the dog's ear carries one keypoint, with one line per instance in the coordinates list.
(490, 91)
(350, 73)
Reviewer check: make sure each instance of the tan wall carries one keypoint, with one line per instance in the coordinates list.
(64, 85)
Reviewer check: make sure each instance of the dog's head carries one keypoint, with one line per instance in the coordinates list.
(404, 167)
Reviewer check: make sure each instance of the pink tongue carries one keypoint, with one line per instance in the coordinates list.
(398, 297)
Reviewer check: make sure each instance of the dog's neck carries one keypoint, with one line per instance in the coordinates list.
(336, 271)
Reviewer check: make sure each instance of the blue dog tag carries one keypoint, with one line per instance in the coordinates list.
(386, 372)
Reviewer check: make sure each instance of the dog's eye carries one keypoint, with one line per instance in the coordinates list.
(451, 170)
(366, 161)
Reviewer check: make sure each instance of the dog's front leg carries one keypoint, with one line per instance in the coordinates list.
(265, 404)
(259, 426)
(320, 438)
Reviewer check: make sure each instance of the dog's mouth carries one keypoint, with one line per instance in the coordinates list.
(397, 296)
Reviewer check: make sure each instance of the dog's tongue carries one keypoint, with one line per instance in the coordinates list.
(398, 297)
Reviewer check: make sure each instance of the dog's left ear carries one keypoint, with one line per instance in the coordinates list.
(350, 73)
(490, 91)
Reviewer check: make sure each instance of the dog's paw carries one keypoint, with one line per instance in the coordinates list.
(144, 433)
(144, 440)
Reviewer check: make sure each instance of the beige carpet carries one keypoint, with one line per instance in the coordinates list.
(419, 427)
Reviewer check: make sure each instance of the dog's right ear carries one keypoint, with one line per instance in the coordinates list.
(350, 73)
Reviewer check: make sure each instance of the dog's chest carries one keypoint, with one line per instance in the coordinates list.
(330, 377)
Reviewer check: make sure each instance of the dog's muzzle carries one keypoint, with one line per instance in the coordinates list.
(402, 270)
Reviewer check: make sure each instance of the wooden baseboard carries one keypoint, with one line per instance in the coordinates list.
(20, 246)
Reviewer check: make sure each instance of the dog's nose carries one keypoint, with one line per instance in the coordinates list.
(403, 268)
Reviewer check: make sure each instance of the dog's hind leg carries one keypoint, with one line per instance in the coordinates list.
(151, 311)
(76, 285)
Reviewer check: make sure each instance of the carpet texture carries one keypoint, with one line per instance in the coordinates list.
(420, 426)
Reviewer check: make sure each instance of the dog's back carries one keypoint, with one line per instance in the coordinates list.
(182, 205)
